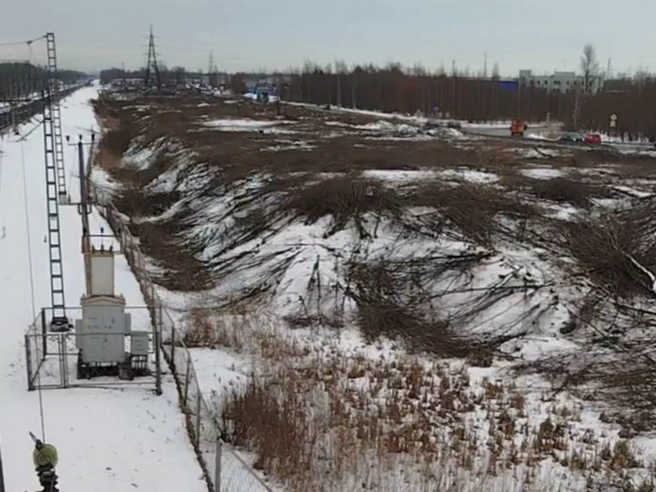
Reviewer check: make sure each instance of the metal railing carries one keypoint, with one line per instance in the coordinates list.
(224, 469)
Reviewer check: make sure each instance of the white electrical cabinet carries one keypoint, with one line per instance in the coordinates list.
(102, 331)
(140, 343)
(102, 273)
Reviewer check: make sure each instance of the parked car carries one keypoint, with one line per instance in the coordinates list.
(592, 139)
(571, 137)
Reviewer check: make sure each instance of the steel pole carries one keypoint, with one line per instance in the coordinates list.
(2, 475)
(82, 172)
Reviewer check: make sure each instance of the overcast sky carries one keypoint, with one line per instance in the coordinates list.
(544, 35)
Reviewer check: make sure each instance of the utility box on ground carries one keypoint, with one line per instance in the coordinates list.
(101, 333)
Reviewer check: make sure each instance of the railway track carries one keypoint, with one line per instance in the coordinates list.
(27, 111)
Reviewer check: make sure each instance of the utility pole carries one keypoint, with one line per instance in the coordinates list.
(338, 69)
(453, 93)
(2, 475)
(519, 99)
(84, 208)
(485, 66)
(575, 113)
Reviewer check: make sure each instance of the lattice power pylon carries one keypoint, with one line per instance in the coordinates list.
(58, 141)
(152, 65)
(55, 187)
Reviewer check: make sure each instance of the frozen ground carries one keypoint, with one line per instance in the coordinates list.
(108, 439)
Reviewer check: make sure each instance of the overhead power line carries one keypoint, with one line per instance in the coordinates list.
(18, 43)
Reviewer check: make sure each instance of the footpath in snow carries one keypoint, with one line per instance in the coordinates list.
(108, 439)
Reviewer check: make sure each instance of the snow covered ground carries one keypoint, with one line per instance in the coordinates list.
(307, 282)
(108, 439)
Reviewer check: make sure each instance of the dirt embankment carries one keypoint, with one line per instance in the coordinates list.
(458, 247)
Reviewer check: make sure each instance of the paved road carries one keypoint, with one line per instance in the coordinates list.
(501, 132)
(504, 131)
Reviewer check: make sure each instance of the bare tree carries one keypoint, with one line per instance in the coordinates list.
(589, 68)
(179, 74)
(495, 71)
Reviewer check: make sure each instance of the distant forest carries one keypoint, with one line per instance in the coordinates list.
(175, 76)
(476, 98)
(393, 89)
(21, 79)
(168, 76)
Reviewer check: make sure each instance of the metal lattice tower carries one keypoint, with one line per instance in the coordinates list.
(54, 152)
(58, 141)
(151, 64)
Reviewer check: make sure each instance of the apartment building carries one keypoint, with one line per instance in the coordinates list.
(562, 82)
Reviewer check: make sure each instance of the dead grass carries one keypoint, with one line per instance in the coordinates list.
(320, 419)
(346, 199)
(184, 272)
(572, 189)
(394, 300)
(607, 250)
(474, 209)
(343, 409)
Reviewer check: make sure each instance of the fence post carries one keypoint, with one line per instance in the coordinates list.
(158, 361)
(61, 344)
(2, 475)
(199, 400)
(28, 363)
(173, 368)
(44, 330)
(152, 291)
(186, 387)
(217, 466)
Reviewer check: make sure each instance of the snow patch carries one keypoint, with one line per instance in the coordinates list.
(542, 173)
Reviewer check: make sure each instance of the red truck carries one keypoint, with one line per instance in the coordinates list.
(517, 128)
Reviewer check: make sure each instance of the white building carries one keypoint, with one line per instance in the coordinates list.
(562, 82)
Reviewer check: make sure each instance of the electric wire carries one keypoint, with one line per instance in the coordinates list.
(29, 239)
(18, 43)
(31, 270)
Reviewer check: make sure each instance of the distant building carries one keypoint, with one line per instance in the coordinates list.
(562, 82)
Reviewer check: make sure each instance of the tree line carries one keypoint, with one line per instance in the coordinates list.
(477, 99)
(21, 80)
(173, 77)
(169, 77)
(459, 95)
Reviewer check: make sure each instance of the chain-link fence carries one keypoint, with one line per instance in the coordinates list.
(58, 360)
(224, 469)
